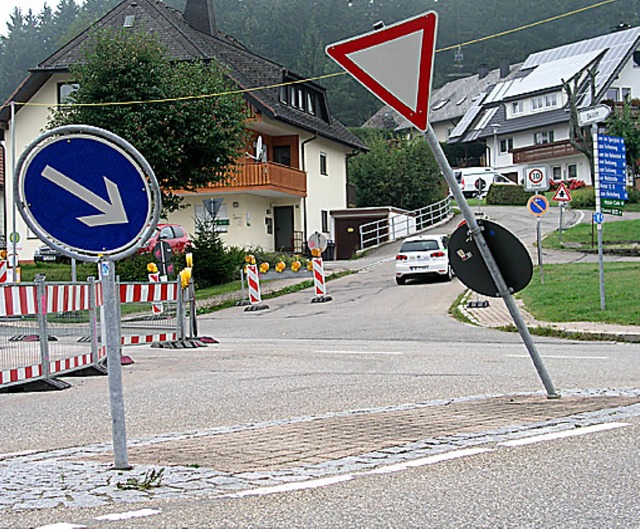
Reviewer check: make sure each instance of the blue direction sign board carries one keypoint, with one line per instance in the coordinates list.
(85, 192)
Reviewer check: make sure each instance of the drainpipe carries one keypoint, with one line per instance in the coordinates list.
(304, 200)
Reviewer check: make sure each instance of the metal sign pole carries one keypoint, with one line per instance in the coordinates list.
(539, 240)
(596, 185)
(112, 341)
(485, 252)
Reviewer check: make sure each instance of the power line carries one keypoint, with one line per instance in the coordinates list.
(309, 79)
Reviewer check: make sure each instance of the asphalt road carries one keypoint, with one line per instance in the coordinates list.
(374, 345)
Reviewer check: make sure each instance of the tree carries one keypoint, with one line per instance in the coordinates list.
(624, 122)
(127, 85)
(396, 172)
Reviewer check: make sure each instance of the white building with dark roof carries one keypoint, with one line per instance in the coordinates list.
(525, 120)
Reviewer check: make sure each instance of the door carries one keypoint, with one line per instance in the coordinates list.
(283, 218)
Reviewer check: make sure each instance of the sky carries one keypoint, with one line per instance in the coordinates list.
(7, 6)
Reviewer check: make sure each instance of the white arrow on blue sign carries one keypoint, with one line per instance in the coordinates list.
(88, 192)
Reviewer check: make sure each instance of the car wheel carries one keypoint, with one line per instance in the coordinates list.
(449, 275)
(400, 280)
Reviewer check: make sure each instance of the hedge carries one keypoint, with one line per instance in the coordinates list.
(507, 195)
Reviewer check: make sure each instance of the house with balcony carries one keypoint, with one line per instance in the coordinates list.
(280, 191)
(525, 121)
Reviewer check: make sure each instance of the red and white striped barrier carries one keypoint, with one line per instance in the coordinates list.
(253, 282)
(4, 276)
(69, 298)
(149, 338)
(318, 277)
(18, 300)
(148, 293)
(20, 374)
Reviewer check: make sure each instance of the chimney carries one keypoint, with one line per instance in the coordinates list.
(505, 68)
(201, 15)
(483, 71)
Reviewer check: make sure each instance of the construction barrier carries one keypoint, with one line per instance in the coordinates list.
(40, 327)
(51, 329)
(319, 281)
(142, 326)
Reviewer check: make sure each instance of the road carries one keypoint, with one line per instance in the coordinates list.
(380, 372)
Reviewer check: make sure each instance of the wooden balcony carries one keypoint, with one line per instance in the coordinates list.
(546, 151)
(268, 177)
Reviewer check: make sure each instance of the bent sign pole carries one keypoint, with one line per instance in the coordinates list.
(395, 64)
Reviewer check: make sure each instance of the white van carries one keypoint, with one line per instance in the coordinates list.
(475, 181)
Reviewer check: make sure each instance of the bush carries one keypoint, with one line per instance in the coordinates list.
(634, 195)
(507, 195)
(213, 264)
(584, 198)
(134, 268)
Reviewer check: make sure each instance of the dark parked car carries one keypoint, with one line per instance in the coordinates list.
(46, 254)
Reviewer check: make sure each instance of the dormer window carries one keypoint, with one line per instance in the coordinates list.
(128, 21)
(303, 98)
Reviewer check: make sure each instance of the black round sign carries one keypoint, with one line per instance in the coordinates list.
(511, 256)
(480, 184)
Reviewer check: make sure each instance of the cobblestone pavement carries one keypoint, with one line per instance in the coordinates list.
(247, 458)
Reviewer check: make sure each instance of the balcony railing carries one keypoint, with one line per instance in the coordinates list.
(545, 151)
(264, 176)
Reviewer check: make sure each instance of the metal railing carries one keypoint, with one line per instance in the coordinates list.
(378, 232)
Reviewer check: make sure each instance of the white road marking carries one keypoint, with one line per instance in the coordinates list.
(62, 526)
(563, 435)
(431, 460)
(562, 357)
(142, 513)
(359, 352)
(290, 487)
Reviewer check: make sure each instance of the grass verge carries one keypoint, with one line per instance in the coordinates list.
(572, 293)
(616, 236)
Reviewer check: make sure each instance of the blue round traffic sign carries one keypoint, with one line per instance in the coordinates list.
(598, 217)
(538, 205)
(88, 191)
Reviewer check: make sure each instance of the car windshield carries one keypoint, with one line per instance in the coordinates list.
(419, 246)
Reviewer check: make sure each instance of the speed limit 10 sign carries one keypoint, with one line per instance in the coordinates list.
(536, 178)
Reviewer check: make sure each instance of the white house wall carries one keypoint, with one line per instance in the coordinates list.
(324, 192)
(629, 77)
(30, 121)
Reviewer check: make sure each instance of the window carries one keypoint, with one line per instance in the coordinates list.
(303, 97)
(282, 154)
(65, 90)
(323, 164)
(545, 136)
(572, 171)
(613, 94)
(517, 107)
(626, 94)
(311, 104)
(545, 101)
(557, 173)
(325, 220)
(506, 145)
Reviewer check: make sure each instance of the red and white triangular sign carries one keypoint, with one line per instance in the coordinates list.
(395, 63)
(562, 194)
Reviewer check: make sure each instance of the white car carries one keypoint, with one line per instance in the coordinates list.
(476, 181)
(423, 255)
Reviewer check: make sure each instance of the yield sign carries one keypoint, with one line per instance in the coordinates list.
(395, 63)
(562, 194)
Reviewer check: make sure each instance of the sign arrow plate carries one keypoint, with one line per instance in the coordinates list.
(87, 192)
